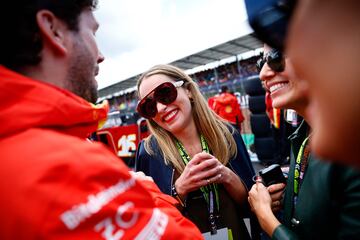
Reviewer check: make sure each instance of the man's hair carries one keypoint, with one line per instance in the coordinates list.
(20, 42)
(211, 126)
(224, 89)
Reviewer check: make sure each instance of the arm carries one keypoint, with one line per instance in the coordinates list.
(104, 201)
(233, 184)
(260, 202)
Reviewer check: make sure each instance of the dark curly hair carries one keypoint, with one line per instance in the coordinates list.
(20, 41)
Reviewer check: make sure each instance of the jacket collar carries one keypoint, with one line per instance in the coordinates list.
(301, 131)
(27, 103)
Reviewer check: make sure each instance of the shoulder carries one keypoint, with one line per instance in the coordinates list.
(57, 171)
(348, 177)
(151, 158)
(238, 139)
(48, 150)
(152, 144)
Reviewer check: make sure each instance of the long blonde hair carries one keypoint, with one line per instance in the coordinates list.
(213, 128)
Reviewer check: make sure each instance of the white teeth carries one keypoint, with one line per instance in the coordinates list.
(170, 115)
(277, 86)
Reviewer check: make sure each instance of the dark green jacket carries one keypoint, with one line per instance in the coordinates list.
(328, 205)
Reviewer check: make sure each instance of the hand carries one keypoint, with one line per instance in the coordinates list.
(260, 202)
(276, 192)
(140, 176)
(260, 199)
(201, 170)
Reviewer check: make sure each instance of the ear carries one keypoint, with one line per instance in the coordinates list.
(52, 30)
(188, 93)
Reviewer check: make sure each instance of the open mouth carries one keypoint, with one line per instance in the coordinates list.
(170, 115)
(277, 86)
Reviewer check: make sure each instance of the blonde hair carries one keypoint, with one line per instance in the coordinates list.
(213, 128)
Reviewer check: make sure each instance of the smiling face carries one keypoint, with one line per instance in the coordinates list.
(324, 46)
(286, 92)
(175, 117)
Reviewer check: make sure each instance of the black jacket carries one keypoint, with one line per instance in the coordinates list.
(328, 205)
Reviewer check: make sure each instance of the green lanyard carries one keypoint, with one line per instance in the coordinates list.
(300, 166)
(206, 189)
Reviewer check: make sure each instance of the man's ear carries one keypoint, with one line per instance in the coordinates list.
(52, 30)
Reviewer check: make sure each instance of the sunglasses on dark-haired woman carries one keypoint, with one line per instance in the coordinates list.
(166, 93)
(274, 59)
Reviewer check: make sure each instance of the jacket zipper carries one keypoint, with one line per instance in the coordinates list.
(172, 180)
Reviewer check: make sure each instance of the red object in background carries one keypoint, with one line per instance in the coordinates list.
(273, 113)
(123, 140)
(211, 102)
(226, 106)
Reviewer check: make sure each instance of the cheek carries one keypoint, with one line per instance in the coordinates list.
(90, 42)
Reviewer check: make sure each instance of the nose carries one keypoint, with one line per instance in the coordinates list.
(101, 58)
(160, 107)
(266, 73)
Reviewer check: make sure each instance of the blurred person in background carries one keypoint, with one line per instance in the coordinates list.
(322, 39)
(322, 199)
(323, 43)
(55, 183)
(227, 107)
(192, 154)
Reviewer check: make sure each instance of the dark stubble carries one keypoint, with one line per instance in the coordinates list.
(81, 76)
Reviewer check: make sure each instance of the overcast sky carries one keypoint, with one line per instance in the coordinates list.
(137, 34)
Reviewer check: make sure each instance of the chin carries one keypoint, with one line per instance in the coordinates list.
(329, 149)
(280, 104)
(95, 84)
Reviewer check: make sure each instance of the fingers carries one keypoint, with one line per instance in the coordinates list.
(259, 185)
(276, 192)
(214, 179)
(279, 187)
(259, 198)
(200, 157)
(211, 173)
(205, 169)
(276, 206)
(276, 196)
(140, 176)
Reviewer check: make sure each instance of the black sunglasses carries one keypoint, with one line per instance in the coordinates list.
(274, 59)
(165, 93)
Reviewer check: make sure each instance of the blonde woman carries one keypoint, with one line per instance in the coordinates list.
(192, 154)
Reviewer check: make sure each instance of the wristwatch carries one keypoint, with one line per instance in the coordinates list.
(175, 194)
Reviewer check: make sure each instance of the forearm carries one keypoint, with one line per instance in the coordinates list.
(236, 188)
(268, 221)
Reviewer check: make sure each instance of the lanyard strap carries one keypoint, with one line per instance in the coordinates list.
(206, 190)
(300, 166)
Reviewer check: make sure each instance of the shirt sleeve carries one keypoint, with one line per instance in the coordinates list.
(101, 200)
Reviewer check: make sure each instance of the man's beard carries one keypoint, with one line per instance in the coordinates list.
(81, 75)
